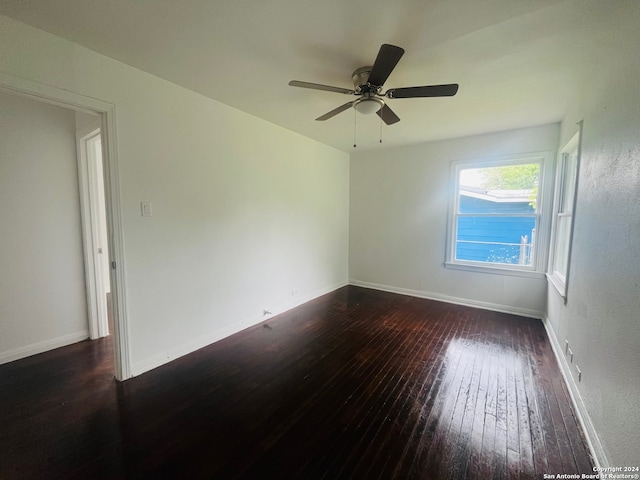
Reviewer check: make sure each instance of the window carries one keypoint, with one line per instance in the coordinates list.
(566, 181)
(496, 222)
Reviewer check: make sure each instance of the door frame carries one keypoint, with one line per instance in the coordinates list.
(107, 111)
(90, 193)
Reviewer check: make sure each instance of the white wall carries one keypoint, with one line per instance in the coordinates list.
(399, 200)
(601, 319)
(244, 212)
(42, 293)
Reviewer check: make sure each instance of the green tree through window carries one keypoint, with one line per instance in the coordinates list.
(513, 177)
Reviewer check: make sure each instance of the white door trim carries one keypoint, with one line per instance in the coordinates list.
(75, 101)
(96, 265)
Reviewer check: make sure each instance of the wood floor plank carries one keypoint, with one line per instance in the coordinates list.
(349, 395)
(539, 371)
(539, 448)
(355, 384)
(463, 447)
(338, 388)
(476, 467)
(373, 461)
(439, 417)
(525, 429)
(375, 411)
(581, 455)
(417, 442)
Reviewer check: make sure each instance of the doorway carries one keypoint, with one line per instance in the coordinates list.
(113, 248)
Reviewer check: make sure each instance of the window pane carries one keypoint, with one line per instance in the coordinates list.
(561, 254)
(503, 189)
(569, 184)
(495, 239)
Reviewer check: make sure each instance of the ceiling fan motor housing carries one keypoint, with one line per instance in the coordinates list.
(361, 83)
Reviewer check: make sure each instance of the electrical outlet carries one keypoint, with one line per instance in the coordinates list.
(570, 352)
(579, 374)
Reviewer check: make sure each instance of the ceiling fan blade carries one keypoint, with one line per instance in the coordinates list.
(387, 115)
(335, 111)
(387, 59)
(428, 91)
(317, 86)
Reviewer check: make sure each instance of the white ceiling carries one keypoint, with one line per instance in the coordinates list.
(516, 61)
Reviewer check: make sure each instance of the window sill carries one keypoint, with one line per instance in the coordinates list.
(559, 285)
(494, 270)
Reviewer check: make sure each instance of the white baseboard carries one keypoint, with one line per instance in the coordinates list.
(598, 454)
(496, 307)
(226, 331)
(44, 346)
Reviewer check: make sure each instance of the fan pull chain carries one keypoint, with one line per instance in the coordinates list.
(380, 129)
(355, 121)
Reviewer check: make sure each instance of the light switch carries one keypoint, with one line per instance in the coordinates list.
(146, 209)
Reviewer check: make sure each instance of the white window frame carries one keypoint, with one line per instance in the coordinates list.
(544, 203)
(564, 207)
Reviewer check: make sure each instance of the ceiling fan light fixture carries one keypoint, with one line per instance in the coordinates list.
(368, 105)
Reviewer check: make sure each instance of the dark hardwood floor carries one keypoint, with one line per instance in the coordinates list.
(356, 384)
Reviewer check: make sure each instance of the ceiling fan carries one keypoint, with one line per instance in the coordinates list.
(368, 82)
